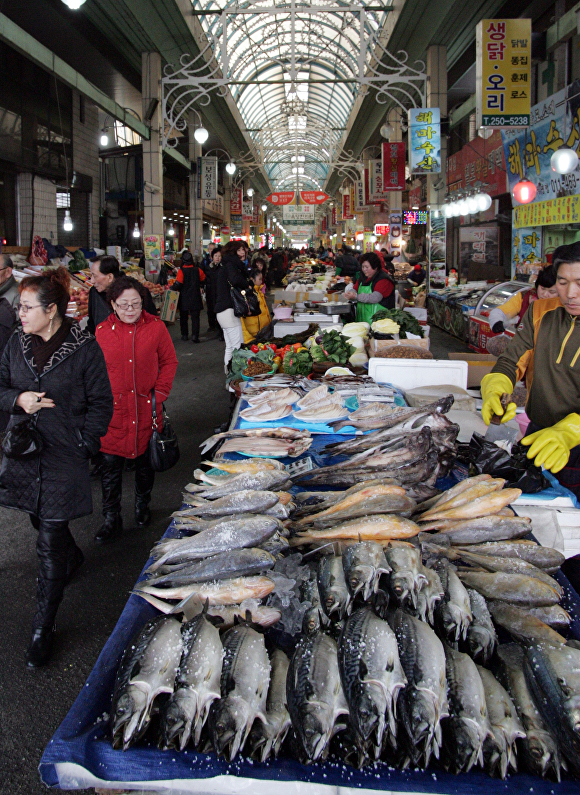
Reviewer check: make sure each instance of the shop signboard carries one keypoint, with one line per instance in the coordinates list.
(503, 72)
(153, 246)
(526, 252)
(555, 122)
(395, 233)
(207, 178)
(479, 252)
(236, 201)
(480, 164)
(313, 196)
(393, 159)
(381, 230)
(368, 244)
(280, 199)
(298, 213)
(565, 210)
(425, 140)
(256, 215)
(333, 217)
(247, 210)
(261, 223)
(224, 235)
(323, 224)
(437, 248)
(376, 193)
(359, 196)
(346, 207)
(237, 225)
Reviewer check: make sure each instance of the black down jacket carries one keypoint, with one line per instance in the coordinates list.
(56, 484)
(232, 272)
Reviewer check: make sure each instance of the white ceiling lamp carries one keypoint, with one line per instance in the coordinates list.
(564, 160)
(136, 232)
(201, 135)
(231, 168)
(171, 230)
(463, 207)
(68, 224)
(484, 201)
(472, 204)
(264, 208)
(73, 4)
(104, 137)
(250, 192)
(387, 131)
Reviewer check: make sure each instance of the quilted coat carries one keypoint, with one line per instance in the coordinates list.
(56, 484)
(139, 357)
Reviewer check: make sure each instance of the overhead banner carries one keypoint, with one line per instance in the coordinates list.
(395, 233)
(313, 197)
(480, 161)
(333, 217)
(393, 166)
(298, 213)
(376, 194)
(526, 253)
(503, 72)
(256, 215)
(565, 210)
(347, 213)
(286, 197)
(323, 224)
(555, 122)
(359, 196)
(248, 211)
(207, 178)
(236, 201)
(425, 140)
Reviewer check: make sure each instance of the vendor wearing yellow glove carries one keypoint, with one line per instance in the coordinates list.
(546, 351)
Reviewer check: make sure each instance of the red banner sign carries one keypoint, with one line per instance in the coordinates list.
(313, 196)
(381, 229)
(393, 166)
(323, 224)
(236, 201)
(334, 221)
(481, 160)
(286, 197)
(256, 215)
(347, 206)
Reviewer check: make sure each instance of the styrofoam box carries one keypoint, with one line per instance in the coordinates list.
(417, 311)
(410, 373)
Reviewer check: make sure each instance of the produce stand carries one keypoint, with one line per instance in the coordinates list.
(80, 754)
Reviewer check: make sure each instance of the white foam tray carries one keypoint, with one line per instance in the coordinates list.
(411, 373)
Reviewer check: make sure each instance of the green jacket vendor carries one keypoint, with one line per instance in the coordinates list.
(374, 291)
(546, 351)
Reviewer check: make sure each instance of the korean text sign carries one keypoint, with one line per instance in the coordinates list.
(425, 140)
(393, 156)
(504, 56)
(207, 177)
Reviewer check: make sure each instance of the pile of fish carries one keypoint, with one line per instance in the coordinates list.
(271, 443)
(431, 629)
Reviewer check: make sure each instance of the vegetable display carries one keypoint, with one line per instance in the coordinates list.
(331, 346)
(297, 362)
(406, 322)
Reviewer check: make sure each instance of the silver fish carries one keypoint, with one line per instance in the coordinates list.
(147, 669)
(554, 616)
(423, 702)
(500, 749)
(380, 416)
(429, 596)
(453, 614)
(481, 635)
(486, 528)
(334, 594)
(363, 565)
(197, 683)
(406, 578)
(314, 694)
(522, 626)
(244, 690)
(468, 724)
(268, 480)
(276, 433)
(371, 675)
(314, 616)
(235, 563)
(266, 739)
(240, 502)
(543, 557)
(514, 588)
(538, 747)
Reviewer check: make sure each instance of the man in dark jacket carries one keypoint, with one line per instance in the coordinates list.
(188, 285)
(8, 284)
(346, 264)
(104, 271)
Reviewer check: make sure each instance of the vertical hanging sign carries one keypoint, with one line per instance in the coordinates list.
(346, 206)
(236, 201)
(393, 166)
(360, 196)
(395, 232)
(425, 140)
(207, 178)
(503, 72)
(333, 217)
(248, 211)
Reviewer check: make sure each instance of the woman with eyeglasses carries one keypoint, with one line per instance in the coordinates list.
(140, 358)
(56, 373)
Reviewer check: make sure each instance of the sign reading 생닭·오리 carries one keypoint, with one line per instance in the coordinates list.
(503, 72)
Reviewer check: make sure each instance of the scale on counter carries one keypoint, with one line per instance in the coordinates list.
(332, 308)
(315, 317)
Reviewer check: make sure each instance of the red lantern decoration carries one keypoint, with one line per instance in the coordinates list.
(524, 191)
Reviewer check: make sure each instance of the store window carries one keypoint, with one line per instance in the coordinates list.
(125, 136)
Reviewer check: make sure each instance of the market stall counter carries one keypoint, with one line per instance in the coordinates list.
(451, 308)
(81, 755)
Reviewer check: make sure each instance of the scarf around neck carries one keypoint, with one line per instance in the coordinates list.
(44, 350)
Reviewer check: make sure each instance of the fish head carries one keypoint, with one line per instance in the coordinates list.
(542, 751)
(177, 720)
(358, 577)
(422, 716)
(452, 620)
(228, 722)
(127, 716)
(368, 714)
(468, 739)
(403, 586)
(481, 642)
(313, 729)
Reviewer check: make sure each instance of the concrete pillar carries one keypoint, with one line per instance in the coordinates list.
(195, 204)
(152, 156)
(437, 98)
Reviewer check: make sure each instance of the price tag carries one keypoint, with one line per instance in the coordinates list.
(300, 467)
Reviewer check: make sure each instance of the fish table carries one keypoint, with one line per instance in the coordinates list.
(80, 755)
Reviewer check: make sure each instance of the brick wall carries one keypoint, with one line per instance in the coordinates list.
(86, 157)
(43, 206)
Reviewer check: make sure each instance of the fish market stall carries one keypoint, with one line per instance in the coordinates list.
(451, 308)
(320, 614)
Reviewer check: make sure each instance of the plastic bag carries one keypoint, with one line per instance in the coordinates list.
(487, 458)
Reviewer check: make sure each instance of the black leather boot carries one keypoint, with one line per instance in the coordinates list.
(144, 480)
(110, 530)
(74, 561)
(40, 647)
(142, 515)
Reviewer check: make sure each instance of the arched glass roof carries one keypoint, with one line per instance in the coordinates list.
(291, 65)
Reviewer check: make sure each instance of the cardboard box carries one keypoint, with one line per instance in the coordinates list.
(480, 333)
(169, 308)
(479, 364)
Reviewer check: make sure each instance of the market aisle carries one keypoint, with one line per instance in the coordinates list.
(33, 703)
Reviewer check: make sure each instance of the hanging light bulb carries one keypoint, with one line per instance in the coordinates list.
(231, 168)
(524, 191)
(373, 238)
(264, 208)
(68, 224)
(387, 130)
(136, 231)
(463, 207)
(472, 204)
(104, 137)
(448, 210)
(201, 135)
(73, 4)
(171, 230)
(250, 192)
(484, 201)
(455, 210)
(564, 160)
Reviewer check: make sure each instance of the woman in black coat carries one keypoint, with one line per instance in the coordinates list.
(55, 372)
(211, 271)
(233, 273)
(188, 284)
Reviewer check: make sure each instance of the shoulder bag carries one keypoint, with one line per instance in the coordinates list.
(163, 445)
(246, 302)
(23, 440)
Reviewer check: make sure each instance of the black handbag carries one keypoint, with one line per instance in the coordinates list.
(163, 445)
(246, 302)
(23, 440)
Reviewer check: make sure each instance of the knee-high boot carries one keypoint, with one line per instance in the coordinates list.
(112, 485)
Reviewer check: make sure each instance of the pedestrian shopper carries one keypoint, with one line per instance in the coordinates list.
(252, 325)
(259, 263)
(211, 276)
(8, 284)
(233, 273)
(140, 357)
(55, 372)
(347, 264)
(188, 284)
(104, 271)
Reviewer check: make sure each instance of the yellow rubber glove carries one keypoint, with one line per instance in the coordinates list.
(551, 446)
(493, 386)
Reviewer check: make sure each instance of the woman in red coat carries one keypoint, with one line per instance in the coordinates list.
(140, 357)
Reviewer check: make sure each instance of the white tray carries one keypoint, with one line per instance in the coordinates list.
(410, 373)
